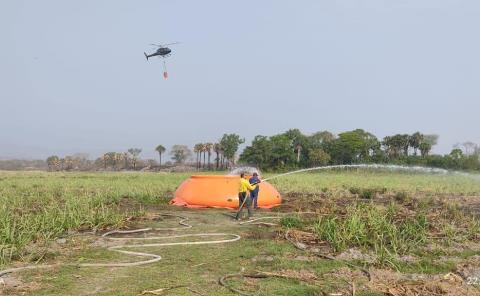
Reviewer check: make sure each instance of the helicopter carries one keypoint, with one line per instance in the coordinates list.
(162, 51)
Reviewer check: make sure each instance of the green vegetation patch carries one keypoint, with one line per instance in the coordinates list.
(371, 227)
(36, 207)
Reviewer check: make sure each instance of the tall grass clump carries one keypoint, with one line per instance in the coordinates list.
(374, 228)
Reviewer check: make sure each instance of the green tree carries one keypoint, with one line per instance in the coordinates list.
(395, 145)
(180, 153)
(208, 148)
(318, 157)
(282, 153)
(354, 146)
(415, 140)
(198, 150)
(425, 148)
(321, 139)
(218, 149)
(456, 158)
(230, 144)
(427, 144)
(203, 149)
(160, 149)
(298, 142)
(258, 153)
(404, 143)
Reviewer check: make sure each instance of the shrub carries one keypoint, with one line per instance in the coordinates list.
(402, 197)
(368, 193)
(372, 227)
(290, 222)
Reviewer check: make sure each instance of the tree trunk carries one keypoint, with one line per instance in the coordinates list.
(217, 160)
(204, 159)
(159, 159)
(209, 154)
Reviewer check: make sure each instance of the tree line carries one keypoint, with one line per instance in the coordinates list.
(222, 153)
(128, 160)
(289, 150)
(225, 151)
(293, 149)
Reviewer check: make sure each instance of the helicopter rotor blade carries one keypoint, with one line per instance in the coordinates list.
(155, 44)
(171, 43)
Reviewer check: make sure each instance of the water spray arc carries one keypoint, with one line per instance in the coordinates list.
(414, 169)
(394, 168)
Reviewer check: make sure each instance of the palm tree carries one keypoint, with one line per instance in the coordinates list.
(198, 150)
(208, 148)
(415, 141)
(160, 149)
(405, 143)
(203, 149)
(217, 148)
(222, 157)
(425, 148)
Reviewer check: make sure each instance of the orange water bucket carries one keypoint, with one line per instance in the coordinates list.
(220, 191)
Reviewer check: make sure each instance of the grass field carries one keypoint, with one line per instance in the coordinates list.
(394, 224)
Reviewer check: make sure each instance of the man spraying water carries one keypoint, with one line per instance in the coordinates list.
(243, 196)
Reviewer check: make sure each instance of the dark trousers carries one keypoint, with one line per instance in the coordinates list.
(248, 203)
(254, 197)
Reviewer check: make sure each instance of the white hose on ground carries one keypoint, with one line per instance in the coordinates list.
(154, 257)
(254, 221)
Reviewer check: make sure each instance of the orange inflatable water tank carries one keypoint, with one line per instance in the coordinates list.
(220, 191)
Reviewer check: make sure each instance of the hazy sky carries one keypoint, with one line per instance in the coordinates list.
(73, 77)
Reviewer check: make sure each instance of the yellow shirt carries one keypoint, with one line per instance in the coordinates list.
(245, 185)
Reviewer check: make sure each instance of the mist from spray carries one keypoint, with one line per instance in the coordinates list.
(248, 170)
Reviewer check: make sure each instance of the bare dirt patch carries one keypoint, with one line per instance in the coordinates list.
(394, 283)
(470, 269)
(10, 284)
